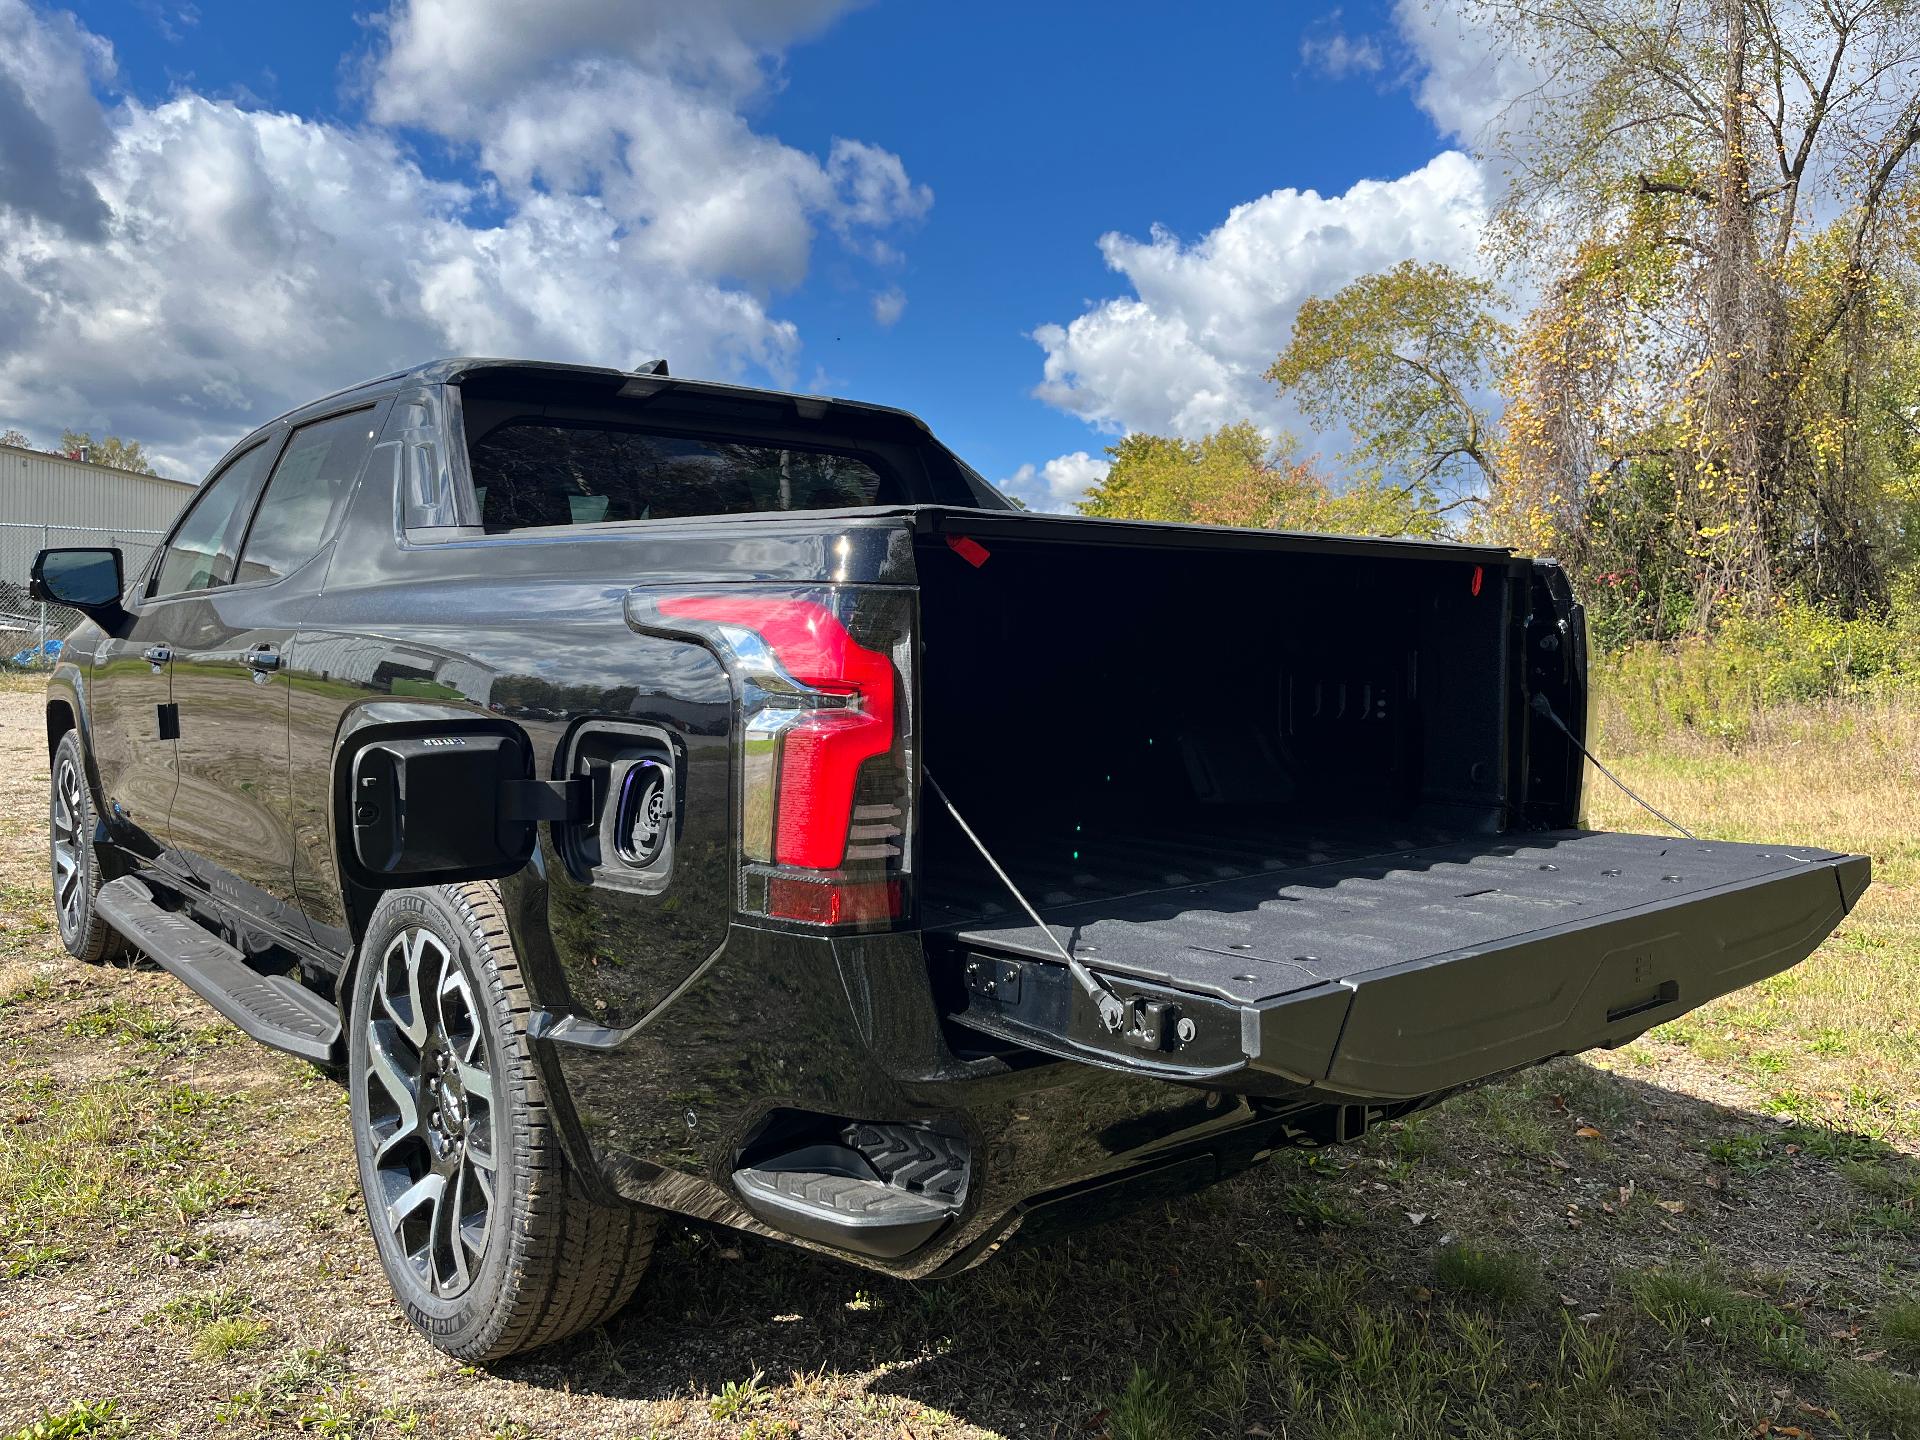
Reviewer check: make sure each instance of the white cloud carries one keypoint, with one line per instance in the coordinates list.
(1338, 54)
(640, 104)
(178, 272)
(1471, 85)
(888, 306)
(1185, 351)
(1057, 484)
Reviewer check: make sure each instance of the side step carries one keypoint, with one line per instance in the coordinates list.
(885, 1198)
(274, 1009)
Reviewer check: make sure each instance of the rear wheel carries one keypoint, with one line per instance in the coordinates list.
(76, 866)
(491, 1245)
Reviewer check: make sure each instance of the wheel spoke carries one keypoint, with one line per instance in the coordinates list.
(427, 1190)
(402, 1088)
(476, 1081)
(406, 1011)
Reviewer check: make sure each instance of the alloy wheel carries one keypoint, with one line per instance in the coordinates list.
(430, 1112)
(70, 856)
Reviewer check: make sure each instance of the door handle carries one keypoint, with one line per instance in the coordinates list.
(157, 655)
(262, 659)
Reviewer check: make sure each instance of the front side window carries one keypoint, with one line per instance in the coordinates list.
(200, 555)
(542, 472)
(305, 496)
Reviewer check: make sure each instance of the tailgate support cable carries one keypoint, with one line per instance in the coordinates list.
(1544, 706)
(1112, 1009)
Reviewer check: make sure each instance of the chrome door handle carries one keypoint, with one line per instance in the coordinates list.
(156, 655)
(262, 658)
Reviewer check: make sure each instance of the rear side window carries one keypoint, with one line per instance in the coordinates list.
(305, 495)
(200, 555)
(538, 473)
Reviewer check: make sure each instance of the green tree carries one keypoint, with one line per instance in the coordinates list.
(1761, 159)
(108, 450)
(17, 439)
(1400, 360)
(1236, 476)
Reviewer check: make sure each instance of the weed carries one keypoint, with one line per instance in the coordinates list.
(738, 1398)
(1148, 1409)
(1495, 1277)
(1314, 1207)
(1739, 1152)
(202, 1307)
(218, 1339)
(82, 1417)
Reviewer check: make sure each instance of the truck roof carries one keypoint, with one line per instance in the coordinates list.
(451, 369)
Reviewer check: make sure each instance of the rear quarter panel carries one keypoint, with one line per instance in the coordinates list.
(531, 629)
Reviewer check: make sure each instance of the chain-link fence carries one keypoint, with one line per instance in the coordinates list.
(31, 630)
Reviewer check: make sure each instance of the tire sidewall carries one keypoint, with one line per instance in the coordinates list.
(460, 1321)
(84, 942)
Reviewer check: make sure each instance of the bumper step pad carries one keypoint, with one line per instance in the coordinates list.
(885, 1191)
(276, 1010)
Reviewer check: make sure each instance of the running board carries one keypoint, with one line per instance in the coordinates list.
(276, 1010)
(885, 1199)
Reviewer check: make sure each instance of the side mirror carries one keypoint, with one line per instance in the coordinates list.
(87, 580)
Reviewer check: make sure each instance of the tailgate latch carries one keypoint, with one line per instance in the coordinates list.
(1152, 1024)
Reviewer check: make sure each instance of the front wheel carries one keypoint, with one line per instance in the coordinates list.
(491, 1245)
(76, 865)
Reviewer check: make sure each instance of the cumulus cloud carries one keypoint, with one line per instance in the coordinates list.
(52, 125)
(1466, 80)
(1057, 484)
(640, 104)
(178, 271)
(1186, 350)
(888, 306)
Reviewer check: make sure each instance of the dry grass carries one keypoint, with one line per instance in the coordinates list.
(1833, 1041)
(1580, 1252)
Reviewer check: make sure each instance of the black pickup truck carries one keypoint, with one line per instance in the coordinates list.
(672, 797)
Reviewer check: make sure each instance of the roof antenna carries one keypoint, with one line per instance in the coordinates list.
(651, 367)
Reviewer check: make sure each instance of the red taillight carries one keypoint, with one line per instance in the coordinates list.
(833, 902)
(842, 716)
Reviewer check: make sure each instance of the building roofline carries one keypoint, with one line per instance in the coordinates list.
(93, 465)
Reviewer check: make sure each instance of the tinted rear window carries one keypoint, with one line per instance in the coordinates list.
(529, 473)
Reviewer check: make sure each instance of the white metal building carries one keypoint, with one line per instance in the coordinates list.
(49, 500)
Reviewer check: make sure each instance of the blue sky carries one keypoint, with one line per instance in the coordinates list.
(917, 201)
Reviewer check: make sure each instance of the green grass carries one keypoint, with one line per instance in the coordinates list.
(107, 1151)
(1492, 1277)
(1148, 1409)
(1696, 1306)
(1829, 1043)
(1885, 1404)
(218, 1339)
(82, 1417)
(1897, 1327)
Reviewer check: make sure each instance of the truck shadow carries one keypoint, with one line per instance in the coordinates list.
(1253, 1302)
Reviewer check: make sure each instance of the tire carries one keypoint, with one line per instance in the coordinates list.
(75, 863)
(491, 1244)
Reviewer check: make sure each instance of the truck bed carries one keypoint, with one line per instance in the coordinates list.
(1387, 964)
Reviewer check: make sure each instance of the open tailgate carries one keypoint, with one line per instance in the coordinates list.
(1405, 973)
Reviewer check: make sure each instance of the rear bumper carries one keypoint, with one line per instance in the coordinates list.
(852, 1028)
(1412, 1027)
